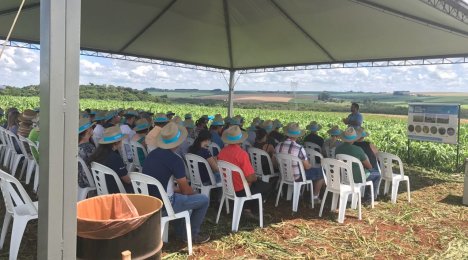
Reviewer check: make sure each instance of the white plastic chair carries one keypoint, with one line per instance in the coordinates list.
(330, 152)
(15, 156)
(3, 144)
(314, 146)
(126, 154)
(20, 207)
(312, 156)
(140, 183)
(285, 163)
(33, 145)
(99, 172)
(256, 159)
(227, 170)
(193, 168)
(83, 192)
(341, 183)
(136, 146)
(212, 147)
(348, 159)
(386, 168)
(29, 162)
(9, 147)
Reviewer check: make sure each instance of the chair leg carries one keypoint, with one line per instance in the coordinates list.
(386, 187)
(312, 194)
(408, 190)
(23, 167)
(342, 207)
(372, 194)
(323, 202)
(395, 184)
(6, 225)
(206, 191)
(220, 208)
(189, 233)
(296, 193)
(279, 193)
(164, 230)
(36, 179)
(19, 225)
(334, 201)
(260, 210)
(29, 171)
(359, 208)
(236, 214)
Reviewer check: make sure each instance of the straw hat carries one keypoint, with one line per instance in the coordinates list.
(349, 135)
(277, 124)
(335, 130)
(27, 115)
(177, 120)
(171, 136)
(236, 121)
(267, 126)
(218, 121)
(112, 135)
(131, 113)
(314, 126)
(84, 124)
(189, 124)
(234, 135)
(293, 130)
(141, 124)
(161, 118)
(101, 115)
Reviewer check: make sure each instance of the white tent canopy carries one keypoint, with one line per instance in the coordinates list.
(246, 34)
(226, 34)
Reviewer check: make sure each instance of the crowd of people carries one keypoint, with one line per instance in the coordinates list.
(167, 137)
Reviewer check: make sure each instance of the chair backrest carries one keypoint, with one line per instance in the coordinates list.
(24, 147)
(140, 183)
(125, 151)
(285, 164)
(99, 172)
(15, 195)
(314, 146)
(386, 161)
(85, 168)
(348, 159)
(212, 147)
(227, 170)
(6, 136)
(12, 140)
(136, 146)
(330, 152)
(2, 137)
(337, 173)
(193, 168)
(256, 159)
(312, 155)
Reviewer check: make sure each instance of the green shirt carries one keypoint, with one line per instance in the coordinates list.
(34, 136)
(355, 151)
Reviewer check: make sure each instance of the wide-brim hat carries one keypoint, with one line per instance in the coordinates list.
(161, 118)
(314, 126)
(335, 130)
(131, 113)
(267, 126)
(84, 124)
(141, 124)
(27, 115)
(218, 121)
(171, 136)
(293, 130)
(349, 135)
(188, 116)
(361, 132)
(277, 124)
(177, 120)
(111, 135)
(234, 135)
(100, 116)
(170, 113)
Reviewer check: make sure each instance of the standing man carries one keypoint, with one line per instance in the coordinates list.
(166, 166)
(354, 119)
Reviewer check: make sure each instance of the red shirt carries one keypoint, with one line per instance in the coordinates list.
(234, 154)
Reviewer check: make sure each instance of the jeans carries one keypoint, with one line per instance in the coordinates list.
(312, 174)
(375, 178)
(198, 203)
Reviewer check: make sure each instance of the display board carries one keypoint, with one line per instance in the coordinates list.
(433, 122)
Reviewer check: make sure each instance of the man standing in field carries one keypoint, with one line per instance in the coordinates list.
(354, 119)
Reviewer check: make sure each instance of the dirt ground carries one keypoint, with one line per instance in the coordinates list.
(433, 226)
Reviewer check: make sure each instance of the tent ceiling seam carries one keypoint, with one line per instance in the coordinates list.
(142, 31)
(227, 25)
(14, 10)
(299, 27)
(410, 17)
(449, 7)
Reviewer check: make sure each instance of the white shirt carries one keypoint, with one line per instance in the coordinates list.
(126, 130)
(98, 132)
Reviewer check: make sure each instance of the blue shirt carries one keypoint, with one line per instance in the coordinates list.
(115, 162)
(355, 117)
(162, 164)
(217, 139)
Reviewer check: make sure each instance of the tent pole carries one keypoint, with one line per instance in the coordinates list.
(59, 97)
(232, 73)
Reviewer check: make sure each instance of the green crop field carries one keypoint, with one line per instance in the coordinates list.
(388, 133)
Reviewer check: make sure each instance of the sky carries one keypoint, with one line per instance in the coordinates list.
(20, 67)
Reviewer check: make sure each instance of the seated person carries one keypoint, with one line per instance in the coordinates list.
(330, 144)
(85, 149)
(349, 137)
(313, 137)
(216, 129)
(369, 148)
(200, 148)
(160, 121)
(165, 165)
(290, 146)
(233, 153)
(262, 144)
(108, 155)
(141, 130)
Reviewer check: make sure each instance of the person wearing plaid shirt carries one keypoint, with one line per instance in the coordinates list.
(291, 147)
